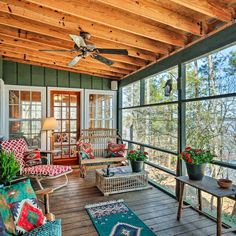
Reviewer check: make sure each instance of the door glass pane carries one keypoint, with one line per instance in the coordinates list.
(73, 125)
(57, 99)
(73, 100)
(73, 113)
(73, 151)
(65, 113)
(65, 151)
(73, 138)
(65, 100)
(57, 139)
(57, 112)
(65, 138)
(65, 125)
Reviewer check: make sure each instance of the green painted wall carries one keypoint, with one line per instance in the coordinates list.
(211, 43)
(22, 74)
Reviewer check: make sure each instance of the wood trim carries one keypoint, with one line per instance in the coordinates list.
(209, 8)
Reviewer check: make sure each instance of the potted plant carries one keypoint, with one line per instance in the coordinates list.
(9, 167)
(196, 160)
(137, 158)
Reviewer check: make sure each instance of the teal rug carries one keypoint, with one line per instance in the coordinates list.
(114, 218)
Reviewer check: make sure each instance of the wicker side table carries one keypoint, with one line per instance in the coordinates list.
(120, 183)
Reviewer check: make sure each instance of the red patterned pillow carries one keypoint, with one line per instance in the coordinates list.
(32, 158)
(86, 150)
(116, 150)
(27, 215)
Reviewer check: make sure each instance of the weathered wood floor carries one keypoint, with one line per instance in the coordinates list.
(154, 207)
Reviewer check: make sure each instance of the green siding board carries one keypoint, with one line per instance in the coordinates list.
(63, 78)
(37, 76)
(74, 80)
(50, 77)
(10, 72)
(97, 82)
(213, 42)
(86, 81)
(106, 85)
(24, 74)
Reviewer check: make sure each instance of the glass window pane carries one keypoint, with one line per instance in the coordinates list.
(157, 85)
(214, 127)
(212, 74)
(36, 97)
(131, 95)
(162, 179)
(73, 138)
(14, 111)
(156, 125)
(65, 125)
(13, 97)
(25, 96)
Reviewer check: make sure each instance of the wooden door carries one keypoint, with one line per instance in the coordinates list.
(65, 107)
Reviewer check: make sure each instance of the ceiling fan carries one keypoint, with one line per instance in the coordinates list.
(86, 49)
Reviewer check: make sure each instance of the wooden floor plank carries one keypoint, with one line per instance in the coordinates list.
(154, 207)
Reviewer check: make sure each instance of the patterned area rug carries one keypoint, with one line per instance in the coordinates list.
(114, 218)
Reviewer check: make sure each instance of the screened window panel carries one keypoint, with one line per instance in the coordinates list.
(155, 87)
(211, 75)
(131, 95)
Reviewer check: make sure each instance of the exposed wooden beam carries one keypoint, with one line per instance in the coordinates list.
(97, 12)
(42, 57)
(31, 58)
(29, 45)
(151, 10)
(99, 30)
(15, 59)
(47, 42)
(209, 8)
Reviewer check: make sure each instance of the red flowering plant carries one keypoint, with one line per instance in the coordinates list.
(196, 156)
(137, 155)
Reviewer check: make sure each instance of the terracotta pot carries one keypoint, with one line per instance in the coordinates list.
(195, 172)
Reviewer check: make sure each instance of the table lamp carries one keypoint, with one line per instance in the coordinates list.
(50, 124)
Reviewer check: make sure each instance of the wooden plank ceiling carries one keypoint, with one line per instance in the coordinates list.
(148, 29)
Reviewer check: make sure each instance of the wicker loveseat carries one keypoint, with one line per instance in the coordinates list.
(99, 138)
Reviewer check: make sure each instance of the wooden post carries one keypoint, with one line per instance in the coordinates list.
(181, 194)
(46, 203)
(219, 210)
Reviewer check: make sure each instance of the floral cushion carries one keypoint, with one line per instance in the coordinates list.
(86, 150)
(27, 215)
(32, 158)
(46, 170)
(115, 150)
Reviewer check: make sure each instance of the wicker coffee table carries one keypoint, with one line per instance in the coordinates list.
(122, 182)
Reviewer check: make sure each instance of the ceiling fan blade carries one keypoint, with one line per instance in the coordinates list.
(112, 51)
(75, 60)
(59, 50)
(79, 41)
(102, 59)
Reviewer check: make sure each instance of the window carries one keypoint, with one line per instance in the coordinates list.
(101, 110)
(212, 74)
(25, 114)
(131, 95)
(154, 87)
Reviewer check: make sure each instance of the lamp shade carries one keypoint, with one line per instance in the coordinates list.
(50, 123)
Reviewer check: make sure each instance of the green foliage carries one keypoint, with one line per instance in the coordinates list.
(137, 155)
(196, 156)
(9, 167)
